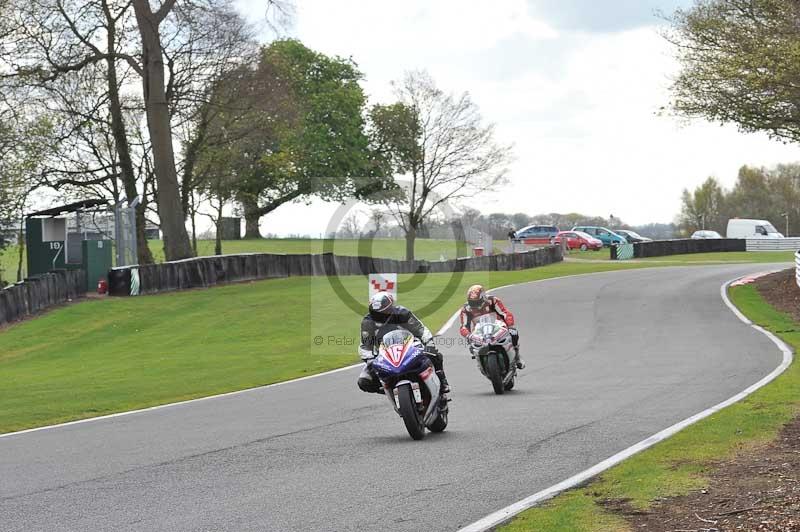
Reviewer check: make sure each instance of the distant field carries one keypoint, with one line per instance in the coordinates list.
(427, 249)
(8, 264)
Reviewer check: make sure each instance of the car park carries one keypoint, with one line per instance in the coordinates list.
(605, 235)
(705, 234)
(578, 240)
(536, 234)
(632, 236)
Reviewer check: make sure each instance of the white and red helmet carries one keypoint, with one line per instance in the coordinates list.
(476, 296)
(381, 305)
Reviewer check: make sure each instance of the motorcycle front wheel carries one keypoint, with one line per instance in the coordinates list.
(409, 412)
(495, 373)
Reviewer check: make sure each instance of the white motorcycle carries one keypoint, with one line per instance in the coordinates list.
(493, 349)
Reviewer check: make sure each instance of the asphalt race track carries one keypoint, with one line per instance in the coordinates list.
(612, 359)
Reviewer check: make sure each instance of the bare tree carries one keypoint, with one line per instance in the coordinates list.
(441, 143)
(82, 58)
(351, 227)
(377, 217)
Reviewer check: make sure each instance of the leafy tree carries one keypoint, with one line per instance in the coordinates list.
(313, 143)
(80, 59)
(520, 220)
(740, 61)
(440, 142)
(704, 208)
(767, 194)
(760, 193)
(24, 144)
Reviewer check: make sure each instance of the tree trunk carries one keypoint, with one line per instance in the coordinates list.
(411, 237)
(251, 218)
(170, 211)
(21, 246)
(120, 134)
(218, 221)
(193, 215)
(142, 248)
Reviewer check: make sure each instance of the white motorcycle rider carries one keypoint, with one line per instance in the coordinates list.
(491, 345)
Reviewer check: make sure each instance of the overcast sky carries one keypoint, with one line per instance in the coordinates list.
(575, 85)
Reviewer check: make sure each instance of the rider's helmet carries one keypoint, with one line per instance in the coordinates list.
(476, 296)
(381, 306)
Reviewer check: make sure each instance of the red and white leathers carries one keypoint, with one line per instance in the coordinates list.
(491, 304)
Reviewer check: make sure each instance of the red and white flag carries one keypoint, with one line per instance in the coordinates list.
(383, 282)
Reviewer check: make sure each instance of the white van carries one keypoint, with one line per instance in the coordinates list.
(741, 228)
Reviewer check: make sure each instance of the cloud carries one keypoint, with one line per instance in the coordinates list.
(440, 27)
(578, 102)
(596, 16)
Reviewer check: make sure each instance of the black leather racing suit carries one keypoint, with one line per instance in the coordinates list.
(373, 330)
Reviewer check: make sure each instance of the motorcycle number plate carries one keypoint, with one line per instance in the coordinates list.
(417, 394)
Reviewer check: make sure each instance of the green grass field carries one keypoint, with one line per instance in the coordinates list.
(110, 355)
(676, 466)
(427, 249)
(8, 263)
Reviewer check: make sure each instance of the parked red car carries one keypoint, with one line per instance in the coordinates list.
(578, 240)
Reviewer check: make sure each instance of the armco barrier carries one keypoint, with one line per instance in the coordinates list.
(38, 293)
(661, 248)
(773, 244)
(797, 268)
(203, 272)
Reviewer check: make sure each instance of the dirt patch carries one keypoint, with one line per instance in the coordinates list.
(781, 291)
(758, 490)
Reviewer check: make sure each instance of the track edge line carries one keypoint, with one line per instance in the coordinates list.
(501, 516)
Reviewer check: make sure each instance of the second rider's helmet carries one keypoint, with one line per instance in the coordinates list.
(381, 306)
(476, 296)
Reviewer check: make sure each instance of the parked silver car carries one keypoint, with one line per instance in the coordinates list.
(702, 235)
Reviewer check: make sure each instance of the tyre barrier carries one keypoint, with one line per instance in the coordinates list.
(203, 272)
(40, 292)
(662, 248)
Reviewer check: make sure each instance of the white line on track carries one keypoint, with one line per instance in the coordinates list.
(504, 514)
(179, 403)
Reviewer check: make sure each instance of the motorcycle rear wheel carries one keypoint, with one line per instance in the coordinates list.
(411, 416)
(495, 373)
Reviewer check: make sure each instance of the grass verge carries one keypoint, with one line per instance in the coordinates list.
(116, 354)
(678, 465)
